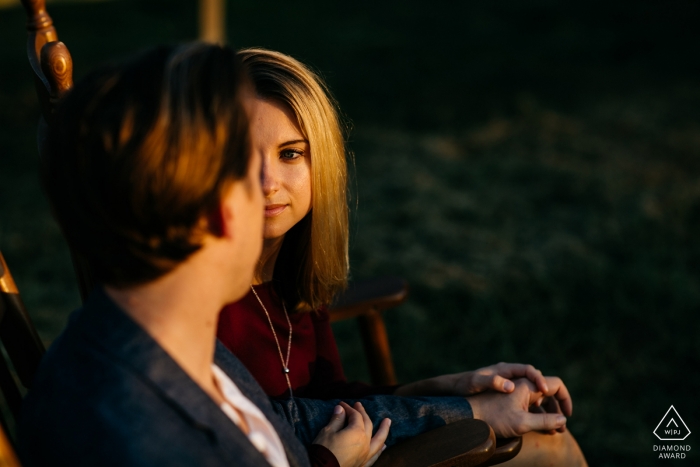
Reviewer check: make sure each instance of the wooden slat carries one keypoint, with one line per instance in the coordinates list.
(377, 350)
(212, 21)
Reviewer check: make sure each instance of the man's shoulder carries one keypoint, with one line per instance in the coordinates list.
(75, 366)
(78, 401)
(86, 407)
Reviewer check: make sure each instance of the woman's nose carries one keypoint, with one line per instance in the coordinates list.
(270, 183)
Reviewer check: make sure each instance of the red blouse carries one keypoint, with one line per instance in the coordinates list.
(315, 369)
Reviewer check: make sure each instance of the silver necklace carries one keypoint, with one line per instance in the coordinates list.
(285, 362)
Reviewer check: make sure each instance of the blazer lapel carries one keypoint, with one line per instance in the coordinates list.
(108, 327)
(296, 453)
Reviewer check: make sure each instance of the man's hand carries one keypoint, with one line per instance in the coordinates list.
(509, 415)
(353, 444)
(496, 377)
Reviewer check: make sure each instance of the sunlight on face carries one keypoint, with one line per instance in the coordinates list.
(286, 162)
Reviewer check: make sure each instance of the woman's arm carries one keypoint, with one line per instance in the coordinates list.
(495, 377)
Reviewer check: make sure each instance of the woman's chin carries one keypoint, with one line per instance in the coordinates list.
(275, 231)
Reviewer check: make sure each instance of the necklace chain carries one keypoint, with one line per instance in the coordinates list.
(285, 362)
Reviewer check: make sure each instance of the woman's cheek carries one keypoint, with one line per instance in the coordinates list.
(302, 188)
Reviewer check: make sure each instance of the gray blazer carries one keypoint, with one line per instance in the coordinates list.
(106, 394)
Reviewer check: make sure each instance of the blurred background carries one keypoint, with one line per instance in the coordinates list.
(532, 168)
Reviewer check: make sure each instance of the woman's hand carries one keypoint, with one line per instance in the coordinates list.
(496, 377)
(353, 444)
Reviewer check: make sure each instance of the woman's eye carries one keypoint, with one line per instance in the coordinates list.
(291, 154)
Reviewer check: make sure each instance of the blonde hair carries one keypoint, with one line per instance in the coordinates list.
(313, 263)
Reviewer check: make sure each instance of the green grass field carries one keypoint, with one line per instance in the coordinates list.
(532, 170)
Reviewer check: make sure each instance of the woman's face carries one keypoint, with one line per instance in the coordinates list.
(286, 164)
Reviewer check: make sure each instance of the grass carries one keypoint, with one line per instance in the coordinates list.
(531, 169)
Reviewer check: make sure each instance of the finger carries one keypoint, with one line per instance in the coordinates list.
(561, 393)
(518, 370)
(533, 395)
(543, 421)
(551, 405)
(376, 444)
(337, 419)
(534, 409)
(354, 417)
(536, 376)
(498, 383)
(374, 458)
(365, 418)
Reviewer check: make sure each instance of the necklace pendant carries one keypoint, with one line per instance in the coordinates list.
(285, 370)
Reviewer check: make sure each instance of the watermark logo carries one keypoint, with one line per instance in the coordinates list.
(672, 427)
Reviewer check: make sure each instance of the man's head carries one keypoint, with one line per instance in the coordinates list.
(144, 156)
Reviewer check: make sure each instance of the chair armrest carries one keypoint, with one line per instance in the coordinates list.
(462, 444)
(366, 300)
(506, 449)
(372, 294)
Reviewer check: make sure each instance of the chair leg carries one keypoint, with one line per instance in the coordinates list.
(377, 351)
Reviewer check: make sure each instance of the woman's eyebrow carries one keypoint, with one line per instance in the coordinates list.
(296, 141)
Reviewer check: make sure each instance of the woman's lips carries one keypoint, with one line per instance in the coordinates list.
(274, 209)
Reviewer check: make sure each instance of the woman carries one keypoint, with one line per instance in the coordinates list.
(305, 254)
(282, 322)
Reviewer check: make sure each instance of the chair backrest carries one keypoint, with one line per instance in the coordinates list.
(53, 74)
(20, 339)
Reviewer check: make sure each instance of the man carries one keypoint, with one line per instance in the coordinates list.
(151, 181)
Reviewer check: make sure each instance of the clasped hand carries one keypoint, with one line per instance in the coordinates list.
(353, 444)
(513, 415)
(513, 398)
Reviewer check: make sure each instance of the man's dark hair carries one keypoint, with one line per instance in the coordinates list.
(140, 154)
